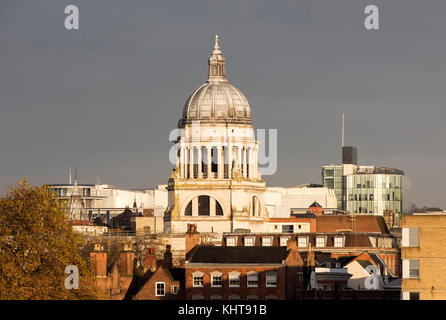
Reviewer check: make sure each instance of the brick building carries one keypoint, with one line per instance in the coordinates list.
(233, 273)
(423, 252)
(160, 281)
(338, 235)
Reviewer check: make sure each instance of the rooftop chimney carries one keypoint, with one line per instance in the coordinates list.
(98, 260)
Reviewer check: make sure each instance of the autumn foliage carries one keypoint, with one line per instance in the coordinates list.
(36, 245)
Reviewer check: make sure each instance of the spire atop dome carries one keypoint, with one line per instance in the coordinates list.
(216, 46)
(217, 64)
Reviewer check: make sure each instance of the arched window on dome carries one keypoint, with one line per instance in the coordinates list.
(218, 209)
(188, 211)
(203, 205)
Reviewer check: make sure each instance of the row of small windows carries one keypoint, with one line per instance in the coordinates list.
(63, 192)
(252, 279)
(371, 197)
(302, 242)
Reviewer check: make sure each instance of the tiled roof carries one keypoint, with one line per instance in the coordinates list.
(236, 255)
(361, 223)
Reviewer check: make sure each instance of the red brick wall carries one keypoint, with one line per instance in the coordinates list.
(243, 291)
(148, 291)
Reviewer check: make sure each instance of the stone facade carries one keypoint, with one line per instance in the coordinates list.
(216, 183)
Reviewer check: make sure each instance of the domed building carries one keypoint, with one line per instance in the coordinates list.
(216, 183)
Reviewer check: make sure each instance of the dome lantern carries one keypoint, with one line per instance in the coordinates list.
(217, 65)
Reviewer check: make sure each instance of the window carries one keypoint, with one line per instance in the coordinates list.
(188, 211)
(174, 290)
(159, 289)
(249, 241)
(197, 278)
(231, 241)
(339, 241)
(411, 269)
(218, 209)
(267, 241)
(271, 279)
(414, 296)
(287, 228)
(411, 295)
(234, 279)
(216, 279)
(320, 242)
(203, 205)
(302, 242)
(252, 280)
(284, 241)
(409, 237)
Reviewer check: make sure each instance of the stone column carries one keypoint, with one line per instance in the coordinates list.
(239, 157)
(182, 162)
(220, 162)
(229, 161)
(209, 161)
(200, 174)
(256, 162)
(251, 170)
(244, 163)
(191, 162)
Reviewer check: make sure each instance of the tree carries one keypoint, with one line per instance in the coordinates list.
(36, 245)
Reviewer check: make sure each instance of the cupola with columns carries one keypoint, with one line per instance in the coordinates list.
(216, 182)
(218, 141)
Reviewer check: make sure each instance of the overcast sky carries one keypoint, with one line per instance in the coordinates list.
(104, 98)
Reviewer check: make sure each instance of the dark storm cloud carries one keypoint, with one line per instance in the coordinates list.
(104, 98)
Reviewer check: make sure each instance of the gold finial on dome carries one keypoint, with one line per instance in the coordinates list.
(216, 46)
(217, 64)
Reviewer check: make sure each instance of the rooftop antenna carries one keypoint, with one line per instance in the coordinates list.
(70, 175)
(342, 130)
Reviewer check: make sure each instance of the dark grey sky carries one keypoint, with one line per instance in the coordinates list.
(104, 98)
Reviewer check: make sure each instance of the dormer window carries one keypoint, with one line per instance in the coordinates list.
(339, 241)
(320, 242)
(267, 241)
(248, 241)
(302, 242)
(231, 241)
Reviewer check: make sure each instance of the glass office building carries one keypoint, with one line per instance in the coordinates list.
(333, 178)
(368, 189)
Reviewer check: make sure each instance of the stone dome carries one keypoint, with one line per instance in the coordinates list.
(216, 100)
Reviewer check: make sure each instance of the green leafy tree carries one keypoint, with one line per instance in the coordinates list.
(36, 245)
